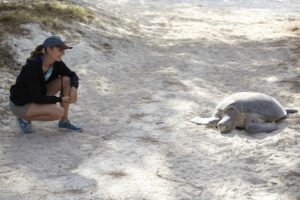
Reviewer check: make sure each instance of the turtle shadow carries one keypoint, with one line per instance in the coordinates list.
(255, 136)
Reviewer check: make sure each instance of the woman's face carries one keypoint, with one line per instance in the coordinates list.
(56, 53)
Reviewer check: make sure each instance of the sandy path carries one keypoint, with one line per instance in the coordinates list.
(137, 95)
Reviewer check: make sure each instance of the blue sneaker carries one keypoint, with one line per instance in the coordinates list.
(25, 126)
(69, 126)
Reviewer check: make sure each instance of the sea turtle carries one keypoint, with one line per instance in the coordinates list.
(252, 111)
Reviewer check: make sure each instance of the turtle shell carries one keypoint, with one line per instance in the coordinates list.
(262, 105)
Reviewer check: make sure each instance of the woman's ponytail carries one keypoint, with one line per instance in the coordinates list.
(38, 50)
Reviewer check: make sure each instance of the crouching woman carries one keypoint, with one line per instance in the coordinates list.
(33, 96)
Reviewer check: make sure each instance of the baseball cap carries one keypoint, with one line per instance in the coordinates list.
(55, 41)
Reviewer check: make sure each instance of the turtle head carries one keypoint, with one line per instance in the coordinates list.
(228, 122)
(213, 122)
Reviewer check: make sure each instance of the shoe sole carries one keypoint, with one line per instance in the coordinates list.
(28, 133)
(68, 130)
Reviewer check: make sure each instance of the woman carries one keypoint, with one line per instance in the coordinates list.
(32, 97)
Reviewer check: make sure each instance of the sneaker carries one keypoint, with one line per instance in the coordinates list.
(25, 126)
(67, 125)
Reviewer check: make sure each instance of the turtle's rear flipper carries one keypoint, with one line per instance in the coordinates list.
(259, 127)
(210, 122)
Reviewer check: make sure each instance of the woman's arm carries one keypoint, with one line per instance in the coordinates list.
(33, 81)
(65, 71)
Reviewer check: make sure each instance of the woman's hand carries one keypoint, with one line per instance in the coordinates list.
(73, 95)
(66, 99)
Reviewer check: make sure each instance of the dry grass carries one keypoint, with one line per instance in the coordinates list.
(51, 14)
(7, 60)
(117, 174)
(295, 28)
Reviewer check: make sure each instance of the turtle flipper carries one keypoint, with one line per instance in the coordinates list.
(291, 110)
(209, 122)
(260, 127)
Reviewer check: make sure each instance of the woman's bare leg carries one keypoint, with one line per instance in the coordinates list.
(50, 112)
(57, 85)
(44, 112)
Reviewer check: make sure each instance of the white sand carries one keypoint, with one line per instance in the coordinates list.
(164, 67)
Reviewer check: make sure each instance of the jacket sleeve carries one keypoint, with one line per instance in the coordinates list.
(65, 71)
(34, 86)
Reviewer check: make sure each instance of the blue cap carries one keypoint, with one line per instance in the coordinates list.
(55, 41)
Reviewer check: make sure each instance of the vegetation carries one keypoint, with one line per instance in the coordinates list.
(50, 14)
(295, 28)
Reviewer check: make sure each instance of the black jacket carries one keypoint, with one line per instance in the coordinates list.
(30, 86)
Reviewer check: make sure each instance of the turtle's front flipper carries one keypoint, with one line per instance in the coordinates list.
(260, 127)
(209, 122)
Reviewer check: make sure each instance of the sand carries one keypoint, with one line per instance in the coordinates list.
(141, 81)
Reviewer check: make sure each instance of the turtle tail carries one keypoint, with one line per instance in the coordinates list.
(291, 110)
